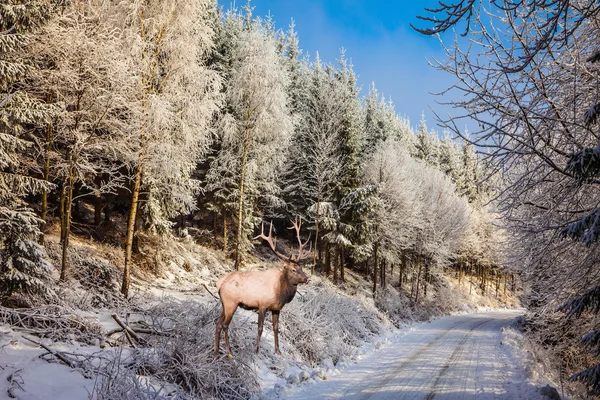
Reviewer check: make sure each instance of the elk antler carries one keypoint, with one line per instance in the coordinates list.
(297, 224)
(269, 239)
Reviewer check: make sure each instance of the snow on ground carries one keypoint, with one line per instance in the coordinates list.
(25, 376)
(456, 357)
(461, 356)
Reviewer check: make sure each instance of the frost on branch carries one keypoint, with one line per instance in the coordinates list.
(591, 115)
(589, 301)
(585, 164)
(591, 377)
(585, 230)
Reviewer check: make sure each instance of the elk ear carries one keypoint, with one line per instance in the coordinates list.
(286, 265)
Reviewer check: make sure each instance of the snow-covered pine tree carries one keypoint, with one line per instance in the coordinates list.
(381, 122)
(425, 144)
(584, 165)
(255, 128)
(352, 229)
(299, 90)
(313, 166)
(23, 263)
(297, 70)
(450, 159)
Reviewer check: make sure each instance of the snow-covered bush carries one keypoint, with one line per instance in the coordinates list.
(96, 279)
(321, 323)
(399, 308)
(53, 322)
(181, 357)
(118, 381)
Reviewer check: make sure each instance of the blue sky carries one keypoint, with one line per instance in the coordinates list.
(378, 39)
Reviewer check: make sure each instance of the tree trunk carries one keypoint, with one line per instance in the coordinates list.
(418, 283)
(470, 276)
(63, 197)
(240, 211)
(342, 261)
(131, 227)
(383, 277)
(98, 209)
(426, 279)
(321, 255)
(367, 267)
(335, 265)
(107, 211)
(402, 269)
(312, 269)
(225, 234)
(375, 265)
(497, 284)
(483, 279)
(67, 225)
(49, 140)
(327, 259)
(215, 225)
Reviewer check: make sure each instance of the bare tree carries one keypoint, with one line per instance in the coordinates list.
(90, 78)
(177, 97)
(530, 81)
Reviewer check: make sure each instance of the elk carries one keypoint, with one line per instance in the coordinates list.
(261, 290)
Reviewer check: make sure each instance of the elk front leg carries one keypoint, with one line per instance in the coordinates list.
(261, 320)
(276, 330)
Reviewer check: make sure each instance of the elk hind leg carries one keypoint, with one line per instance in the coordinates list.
(218, 330)
(227, 316)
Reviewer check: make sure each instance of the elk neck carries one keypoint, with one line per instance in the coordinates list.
(286, 290)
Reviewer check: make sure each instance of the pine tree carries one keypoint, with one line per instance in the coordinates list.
(23, 264)
(312, 170)
(352, 228)
(255, 127)
(425, 145)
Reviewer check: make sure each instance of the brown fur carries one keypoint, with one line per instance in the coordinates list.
(257, 290)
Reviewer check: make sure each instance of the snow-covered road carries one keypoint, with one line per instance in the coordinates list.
(457, 357)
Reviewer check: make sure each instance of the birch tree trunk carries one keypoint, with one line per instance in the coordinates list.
(67, 224)
(131, 227)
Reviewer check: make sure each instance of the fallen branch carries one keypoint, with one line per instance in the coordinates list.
(146, 331)
(211, 293)
(129, 331)
(55, 353)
